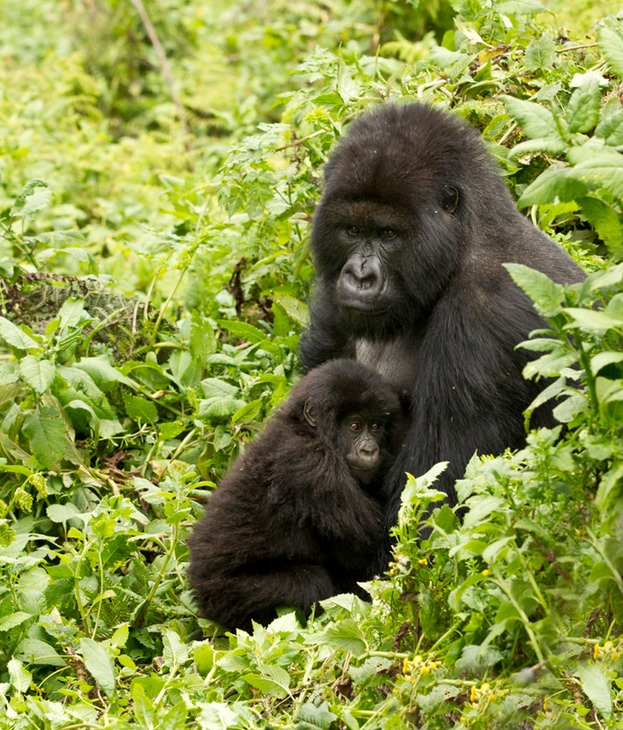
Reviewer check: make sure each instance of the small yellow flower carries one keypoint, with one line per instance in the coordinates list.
(422, 561)
(405, 666)
(486, 572)
(595, 651)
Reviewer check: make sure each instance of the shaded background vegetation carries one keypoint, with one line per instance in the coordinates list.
(159, 167)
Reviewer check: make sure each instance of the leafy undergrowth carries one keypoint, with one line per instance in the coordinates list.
(153, 252)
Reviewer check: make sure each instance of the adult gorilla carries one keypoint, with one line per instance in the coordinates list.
(409, 239)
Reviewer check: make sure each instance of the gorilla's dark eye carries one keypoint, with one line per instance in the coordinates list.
(375, 427)
(355, 426)
(353, 231)
(388, 234)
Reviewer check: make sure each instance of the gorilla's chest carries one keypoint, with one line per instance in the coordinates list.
(396, 360)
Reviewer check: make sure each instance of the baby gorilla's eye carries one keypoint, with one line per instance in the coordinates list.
(388, 234)
(375, 427)
(355, 426)
(353, 231)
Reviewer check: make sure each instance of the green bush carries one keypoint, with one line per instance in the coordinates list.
(153, 251)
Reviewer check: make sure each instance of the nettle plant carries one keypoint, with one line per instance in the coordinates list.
(588, 130)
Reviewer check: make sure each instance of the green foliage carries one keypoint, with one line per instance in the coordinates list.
(159, 168)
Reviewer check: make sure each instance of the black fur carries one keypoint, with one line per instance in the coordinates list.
(289, 525)
(409, 240)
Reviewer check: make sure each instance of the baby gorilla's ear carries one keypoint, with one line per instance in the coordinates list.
(308, 413)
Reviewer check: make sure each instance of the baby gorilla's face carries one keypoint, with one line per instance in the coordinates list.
(360, 442)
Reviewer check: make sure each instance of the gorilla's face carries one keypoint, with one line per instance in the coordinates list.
(387, 232)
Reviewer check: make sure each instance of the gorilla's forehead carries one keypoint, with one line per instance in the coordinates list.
(372, 211)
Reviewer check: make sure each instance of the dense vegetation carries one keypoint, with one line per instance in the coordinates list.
(160, 164)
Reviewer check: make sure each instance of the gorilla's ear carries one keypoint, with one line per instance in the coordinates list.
(308, 413)
(450, 199)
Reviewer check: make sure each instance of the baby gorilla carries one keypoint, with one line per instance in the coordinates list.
(297, 518)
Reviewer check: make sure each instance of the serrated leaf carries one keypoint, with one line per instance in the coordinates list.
(346, 635)
(19, 677)
(71, 313)
(38, 374)
(175, 652)
(540, 54)
(596, 687)
(294, 308)
(317, 716)
(545, 293)
(16, 337)
(530, 146)
(45, 430)
(611, 44)
(35, 195)
(583, 109)
(536, 121)
(602, 168)
(267, 685)
(99, 664)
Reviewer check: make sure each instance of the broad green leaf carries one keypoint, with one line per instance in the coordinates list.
(19, 677)
(583, 109)
(140, 409)
(202, 337)
(35, 196)
(248, 412)
(596, 687)
(46, 432)
(591, 320)
(35, 651)
(346, 635)
(14, 619)
(605, 219)
(536, 121)
(558, 183)
(540, 54)
(611, 479)
(38, 374)
(545, 293)
(16, 337)
(273, 681)
(294, 308)
(317, 716)
(216, 388)
(611, 44)
(610, 129)
(603, 359)
(175, 652)
(243, 331)
(492, 552)
(601, 168)
(99, 664)
(71, 313)
(63, 512)
(520, 7)
(102, 372)
(218, 716)
(530, 146)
